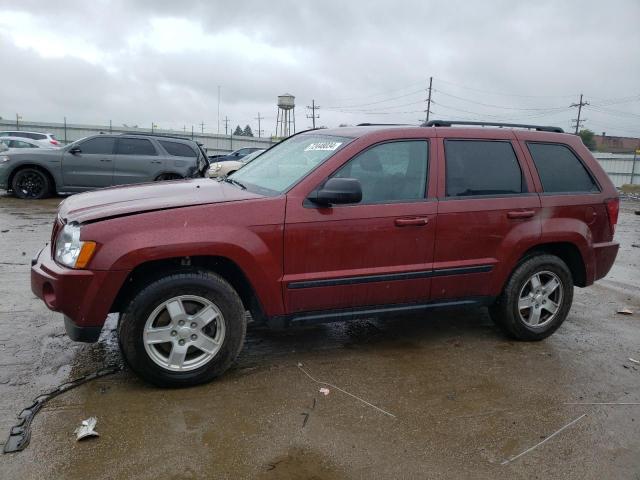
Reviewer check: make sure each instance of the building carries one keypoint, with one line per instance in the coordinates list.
(609, 143)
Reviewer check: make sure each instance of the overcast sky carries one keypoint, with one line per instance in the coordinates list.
(161, 61)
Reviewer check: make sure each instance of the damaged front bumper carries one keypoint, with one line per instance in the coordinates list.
(83, 296)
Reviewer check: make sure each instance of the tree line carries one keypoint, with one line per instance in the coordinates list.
(243, 132)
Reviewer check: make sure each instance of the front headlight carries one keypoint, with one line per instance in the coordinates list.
(217, 166)
(70, 251)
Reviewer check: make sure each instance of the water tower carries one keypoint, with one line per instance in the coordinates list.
(286, 116)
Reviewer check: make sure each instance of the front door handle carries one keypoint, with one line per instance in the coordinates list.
(105, 160)
(156, 161)
(521, 214)
(407, 222)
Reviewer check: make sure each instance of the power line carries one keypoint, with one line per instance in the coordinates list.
(313, 109)
(374, 103)
(501, 93)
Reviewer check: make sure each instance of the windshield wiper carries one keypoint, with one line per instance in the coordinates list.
(234, 182)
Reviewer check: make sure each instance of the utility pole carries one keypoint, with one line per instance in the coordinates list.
(313, 109)
(226, 125)
(218, 132)
(65, 130)
(191, 132)
(18, 118)
(110, 126)
(202, 126)
(259, 118)
(429, 98)
(153, 126)
(577, 120)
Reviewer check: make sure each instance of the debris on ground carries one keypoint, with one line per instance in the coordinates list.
(625, 311)
(324, 391)
(87, 429)
(343, 391)
(635, 245)
(634, 360)
(20, 434)
(543, 441)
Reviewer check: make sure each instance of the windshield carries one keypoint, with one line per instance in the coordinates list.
(281, 167)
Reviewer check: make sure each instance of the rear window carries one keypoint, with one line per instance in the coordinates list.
(480, 167)
(135, 146)
(560, 170)
(178, 149)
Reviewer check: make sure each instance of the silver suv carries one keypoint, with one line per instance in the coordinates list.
(101, 161)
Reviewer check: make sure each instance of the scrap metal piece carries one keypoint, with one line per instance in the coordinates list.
(20, 434)
(86, 429)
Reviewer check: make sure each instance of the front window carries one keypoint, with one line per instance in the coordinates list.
(281, 167)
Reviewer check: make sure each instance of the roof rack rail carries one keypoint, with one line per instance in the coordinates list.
(381, 124)
(147, 134)
(448, 123)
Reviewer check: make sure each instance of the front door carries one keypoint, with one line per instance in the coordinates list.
(376, 252)
(91, 166)
(488, 212)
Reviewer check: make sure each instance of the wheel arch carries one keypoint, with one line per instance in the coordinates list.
(149, 271)
(568, 252)
(35, 166)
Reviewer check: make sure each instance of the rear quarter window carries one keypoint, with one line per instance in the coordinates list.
(481, 167)
(178, 149)
(560, 170)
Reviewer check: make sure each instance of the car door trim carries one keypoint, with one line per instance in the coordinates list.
(388, 277)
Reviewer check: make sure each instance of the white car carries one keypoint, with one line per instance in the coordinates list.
(222, 169)
(21, 142)
(44, 139)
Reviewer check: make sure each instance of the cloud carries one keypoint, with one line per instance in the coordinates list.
(162, 61)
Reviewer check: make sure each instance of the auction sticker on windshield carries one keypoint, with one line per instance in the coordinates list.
(330, 146)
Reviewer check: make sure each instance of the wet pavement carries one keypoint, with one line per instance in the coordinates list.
(461, 398)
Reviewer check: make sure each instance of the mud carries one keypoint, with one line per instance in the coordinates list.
(464, 397)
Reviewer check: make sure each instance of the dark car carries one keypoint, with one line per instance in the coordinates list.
(236, 155)
(334, 225)
(100, 161)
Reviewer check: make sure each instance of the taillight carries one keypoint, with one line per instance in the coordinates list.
(613, 206)
(54, 142)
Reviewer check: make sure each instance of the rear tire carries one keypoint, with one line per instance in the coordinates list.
(31, 184)
(183, 330)
(536, 299)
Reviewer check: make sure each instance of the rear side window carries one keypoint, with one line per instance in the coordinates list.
(135, 146)
(480, 167)
(560, 170)
(98, 146)
(178, 149)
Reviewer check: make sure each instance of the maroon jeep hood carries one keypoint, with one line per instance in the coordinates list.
(127, 200)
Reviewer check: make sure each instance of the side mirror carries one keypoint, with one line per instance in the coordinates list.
(75, 150)
(338, 191)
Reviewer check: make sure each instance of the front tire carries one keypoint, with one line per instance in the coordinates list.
(31, 184)
(536, 299)
(182, 330)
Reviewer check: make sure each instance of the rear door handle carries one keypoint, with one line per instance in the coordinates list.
(521, 214)
(105, 160)
(407, 222)
(156, 161)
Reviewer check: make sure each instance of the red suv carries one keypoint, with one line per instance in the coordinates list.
(334, 225)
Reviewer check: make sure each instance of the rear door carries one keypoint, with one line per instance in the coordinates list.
(137, 161)
(376, 252)
(92, 166)
(488, 213)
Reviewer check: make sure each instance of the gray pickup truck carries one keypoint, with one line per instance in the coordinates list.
(100, 161)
